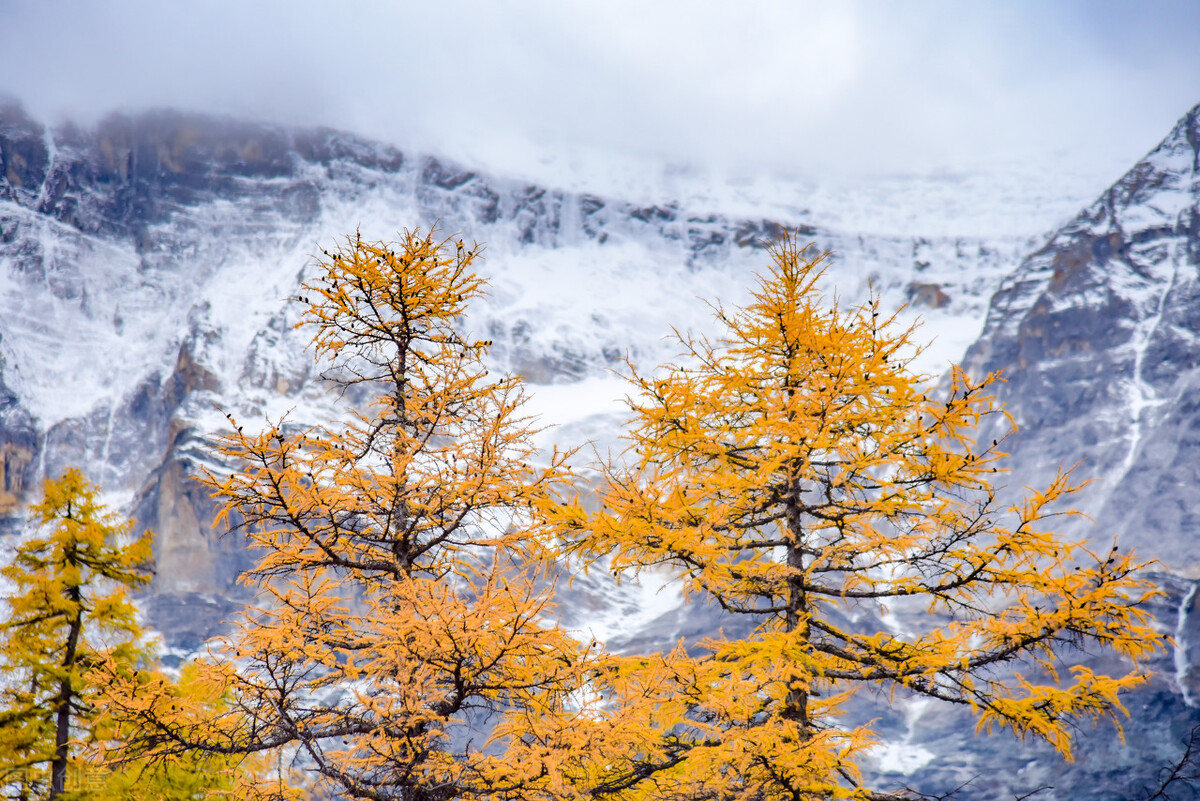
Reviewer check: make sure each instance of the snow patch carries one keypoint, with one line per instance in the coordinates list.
(652, 594)
(906, 757)
(1182, 667)
(900, 758)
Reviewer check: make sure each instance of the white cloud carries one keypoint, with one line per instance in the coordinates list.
(796, 86)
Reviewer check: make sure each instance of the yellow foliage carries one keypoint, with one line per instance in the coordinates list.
(68, 609)
(796, 471)
(120, 767)
(402, 646)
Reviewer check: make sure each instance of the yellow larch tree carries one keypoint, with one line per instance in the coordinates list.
(795, 471)
(68, 607)
(118, 771)
(71, 624)
(402, 647)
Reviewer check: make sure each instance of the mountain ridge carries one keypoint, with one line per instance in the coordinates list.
(145, 263)
(1098, 336)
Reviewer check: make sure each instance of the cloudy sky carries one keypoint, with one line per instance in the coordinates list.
(805, 87)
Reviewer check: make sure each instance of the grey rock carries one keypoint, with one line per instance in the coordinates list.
(136, 218)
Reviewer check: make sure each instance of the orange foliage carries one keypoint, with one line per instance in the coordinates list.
(402, 647)
(797, 472)
(794, 471)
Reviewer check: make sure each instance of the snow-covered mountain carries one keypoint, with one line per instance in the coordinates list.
(145, 265)
(1098, 336)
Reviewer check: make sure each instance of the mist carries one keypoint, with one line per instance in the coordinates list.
(818, 89)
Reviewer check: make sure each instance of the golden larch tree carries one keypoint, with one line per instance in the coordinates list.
(69, 607)
(402, 647)
(795, 471)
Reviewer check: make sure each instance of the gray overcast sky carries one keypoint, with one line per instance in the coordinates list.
(808, 87)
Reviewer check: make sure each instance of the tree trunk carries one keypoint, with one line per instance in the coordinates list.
(66, 693)
(796, 619)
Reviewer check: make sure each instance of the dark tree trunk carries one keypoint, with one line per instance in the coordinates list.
(796, 619)
(66, 693)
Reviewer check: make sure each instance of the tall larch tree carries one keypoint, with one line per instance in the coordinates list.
(403, 647)
(68, 609)
(796, 472)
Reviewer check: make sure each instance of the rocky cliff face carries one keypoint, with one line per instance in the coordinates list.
(145, 263)
(1098, 337)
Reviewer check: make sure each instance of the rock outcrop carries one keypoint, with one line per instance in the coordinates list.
(145, 265)
(1098, 338)
(144, 270)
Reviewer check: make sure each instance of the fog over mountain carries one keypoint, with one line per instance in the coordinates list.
(1075, 88)
(146, 259)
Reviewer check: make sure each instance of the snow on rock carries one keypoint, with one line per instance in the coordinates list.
(905, 756)
(145, 267)
(1098, 336)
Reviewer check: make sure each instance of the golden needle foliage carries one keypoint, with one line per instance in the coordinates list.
(69, 608)
(795, 471)
(401, 649)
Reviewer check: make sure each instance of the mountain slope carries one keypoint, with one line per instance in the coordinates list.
(1098, 335)
(145, 266)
